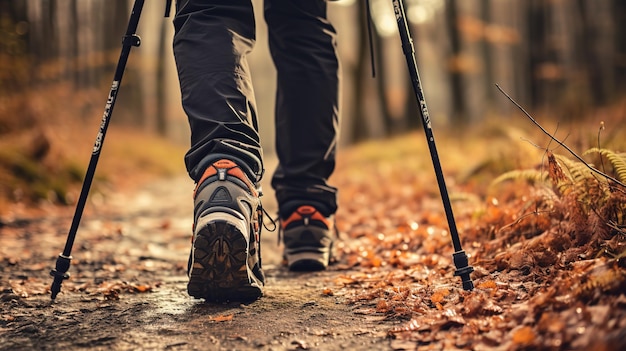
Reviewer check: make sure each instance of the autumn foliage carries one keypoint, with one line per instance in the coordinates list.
(544, 233)
(548, 246)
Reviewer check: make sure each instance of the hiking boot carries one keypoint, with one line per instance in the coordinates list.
(225, 262)
(307, 238)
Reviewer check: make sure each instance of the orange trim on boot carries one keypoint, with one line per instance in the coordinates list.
(306, 211)
(238, 173)
(209, 171)
(231, 169)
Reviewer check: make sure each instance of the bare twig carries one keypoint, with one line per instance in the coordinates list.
(560, 142)
(522, 217)
(599, 147)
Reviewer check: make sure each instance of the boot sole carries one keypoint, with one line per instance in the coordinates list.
(220, 272)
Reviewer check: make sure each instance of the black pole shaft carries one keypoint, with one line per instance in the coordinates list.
(460, 258)
(129, 40)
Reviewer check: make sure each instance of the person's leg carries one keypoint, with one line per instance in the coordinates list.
(302, 44)
(211, 41)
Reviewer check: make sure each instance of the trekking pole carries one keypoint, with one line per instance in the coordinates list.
(463, 269)
(129, 40)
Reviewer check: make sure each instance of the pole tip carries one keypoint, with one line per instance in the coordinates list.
(60, 274)
(59, 277)
(468, 285)
(463, 269)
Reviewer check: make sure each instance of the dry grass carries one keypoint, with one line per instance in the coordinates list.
(128, 158)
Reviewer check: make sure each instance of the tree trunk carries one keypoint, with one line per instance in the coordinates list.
(14, 51)
(485, 12)
(161, 86)
(543, 67)
(459, 108)
(619, 69)
(368, 121)
(130, 99)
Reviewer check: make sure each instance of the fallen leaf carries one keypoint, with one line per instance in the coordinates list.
(142, 288)
(222, 318)
(439, 295)
(489, 284)
(524, 336)
(382, 306)
(8, 318)
(413, 325)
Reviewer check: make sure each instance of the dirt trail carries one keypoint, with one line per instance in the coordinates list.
(127, 289)
(546, 282)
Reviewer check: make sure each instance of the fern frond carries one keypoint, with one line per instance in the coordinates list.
(531, 176)
(617, 160)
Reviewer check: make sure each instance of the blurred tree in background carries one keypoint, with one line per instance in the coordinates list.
(57, 58)
(14, 63)
(564, 58)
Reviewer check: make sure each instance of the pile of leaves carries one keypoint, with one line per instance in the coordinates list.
(548, 246)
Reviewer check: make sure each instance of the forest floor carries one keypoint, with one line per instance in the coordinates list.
(547, 274)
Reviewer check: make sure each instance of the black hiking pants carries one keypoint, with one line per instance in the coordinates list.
(212, 39)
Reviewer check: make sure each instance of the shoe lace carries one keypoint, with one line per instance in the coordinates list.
(262, 214)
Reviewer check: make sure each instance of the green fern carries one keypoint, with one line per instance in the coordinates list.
(579, 177)
(531, 176)
(617, 160)
(588, 187)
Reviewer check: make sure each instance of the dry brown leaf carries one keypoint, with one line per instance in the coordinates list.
(554, 169)
(551, 322)
(222, 318)
(382, 306)
(111, 294)
(141, 288)
(488, 284)
(439, 295)
(8, 318)
(413, 325)
(524, 336)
